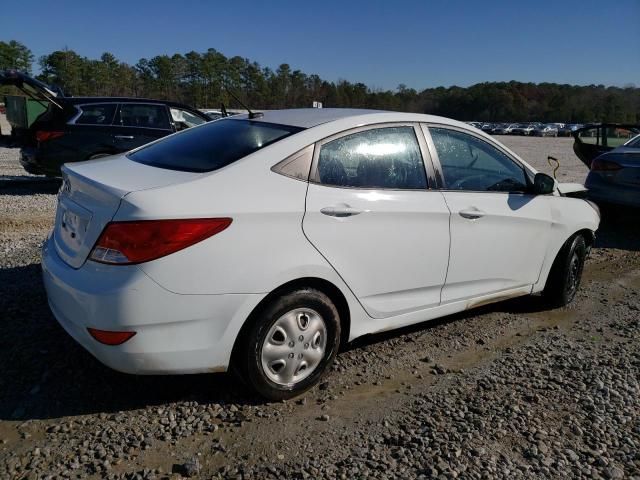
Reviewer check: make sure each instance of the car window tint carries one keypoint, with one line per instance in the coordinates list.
(212, 145)
(379, 158)
(469, 163)
(184, 119)
(144, 116)
(98, 114)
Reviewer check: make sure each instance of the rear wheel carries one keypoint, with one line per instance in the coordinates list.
(290, 344)
(565, 275)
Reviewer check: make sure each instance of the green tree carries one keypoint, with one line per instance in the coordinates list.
(203, 79)
(14, 54)
(64, 68)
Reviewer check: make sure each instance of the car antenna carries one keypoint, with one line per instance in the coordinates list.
(251, 114)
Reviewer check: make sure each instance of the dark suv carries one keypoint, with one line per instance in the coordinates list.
(74, 129)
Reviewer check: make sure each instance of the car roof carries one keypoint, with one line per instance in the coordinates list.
(321, 123)
(80, 100)
(312, 117)
(309, 117)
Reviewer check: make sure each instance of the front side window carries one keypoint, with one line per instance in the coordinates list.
(379, 158)
(211, 146)
(144, 116)
(184, 119)
(469, 163)
(97, 114)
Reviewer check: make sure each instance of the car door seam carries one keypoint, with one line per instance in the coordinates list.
(446, 275)
(325, 258)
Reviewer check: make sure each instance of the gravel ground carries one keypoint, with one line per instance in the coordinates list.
(535, 151)
(505, 391)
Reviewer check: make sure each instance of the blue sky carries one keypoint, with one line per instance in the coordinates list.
(380, 43)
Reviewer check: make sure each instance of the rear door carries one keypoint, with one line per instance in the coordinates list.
(499, 231)
(371, 214)
(137, 124)
(91, 130)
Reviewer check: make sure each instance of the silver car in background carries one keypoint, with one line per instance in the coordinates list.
(548, 130)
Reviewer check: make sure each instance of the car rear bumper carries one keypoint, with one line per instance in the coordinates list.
(37, 162)
(605, 192)
(174, 333)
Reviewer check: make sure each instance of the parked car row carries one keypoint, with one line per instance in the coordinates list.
(535, 129)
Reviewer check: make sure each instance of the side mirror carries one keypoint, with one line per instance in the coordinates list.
(543, 184)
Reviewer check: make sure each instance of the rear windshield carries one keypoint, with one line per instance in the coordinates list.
(211, 146)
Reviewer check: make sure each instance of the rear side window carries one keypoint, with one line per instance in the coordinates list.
(211, 146)
(144, 116)
(379, 158)
(98, 114)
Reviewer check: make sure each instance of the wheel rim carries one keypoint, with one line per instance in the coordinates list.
(294, 346)
(574, 274)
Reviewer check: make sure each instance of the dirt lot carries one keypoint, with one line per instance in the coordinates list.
(506, 391)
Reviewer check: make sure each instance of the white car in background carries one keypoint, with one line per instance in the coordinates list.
(264, 242)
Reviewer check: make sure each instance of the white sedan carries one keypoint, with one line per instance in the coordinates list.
(263, 242)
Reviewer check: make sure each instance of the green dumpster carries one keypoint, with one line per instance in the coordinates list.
(21, 113)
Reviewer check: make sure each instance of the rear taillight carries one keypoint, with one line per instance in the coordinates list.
(125, 243)
(43, 135)
(599, 165)
(108, 337)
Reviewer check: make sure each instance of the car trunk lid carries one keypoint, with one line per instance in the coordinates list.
(629, 161)
(592, 141)
(29, 85)
(90, 196)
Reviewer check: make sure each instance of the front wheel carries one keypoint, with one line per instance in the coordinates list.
(565, 275)
(290, 344)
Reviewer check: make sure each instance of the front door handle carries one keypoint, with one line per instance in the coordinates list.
(124, 137)
(471, 213)
(340, 211)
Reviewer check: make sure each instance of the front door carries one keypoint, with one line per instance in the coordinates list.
(371, 214)
(499, 230)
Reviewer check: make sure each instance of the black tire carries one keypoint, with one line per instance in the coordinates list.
(565, 275)
(249, 358)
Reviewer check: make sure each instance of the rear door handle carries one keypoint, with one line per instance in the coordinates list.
(340, 211)
(471, 213)
(124, 137)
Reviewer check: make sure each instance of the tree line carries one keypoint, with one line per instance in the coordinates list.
(202, 79)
